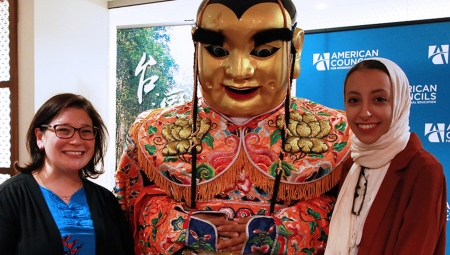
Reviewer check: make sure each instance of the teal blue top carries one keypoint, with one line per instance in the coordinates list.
(74, 222)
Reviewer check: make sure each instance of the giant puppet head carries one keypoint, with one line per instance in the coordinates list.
(247, 53)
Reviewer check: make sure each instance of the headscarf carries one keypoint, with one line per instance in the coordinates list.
(376, 157)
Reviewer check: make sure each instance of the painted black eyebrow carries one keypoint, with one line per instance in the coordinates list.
(271, 35)
(207, 36)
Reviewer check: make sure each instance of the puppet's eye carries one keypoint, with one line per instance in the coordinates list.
(264, 52)
(217, 51)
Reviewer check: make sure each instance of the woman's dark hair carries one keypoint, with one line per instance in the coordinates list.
(367, 64)
(50, 110)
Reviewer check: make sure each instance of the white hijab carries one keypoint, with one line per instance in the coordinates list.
(376, 157)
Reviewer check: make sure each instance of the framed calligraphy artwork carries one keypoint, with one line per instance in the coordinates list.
(154, 69)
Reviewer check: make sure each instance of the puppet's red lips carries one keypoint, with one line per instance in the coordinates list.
(241, 93)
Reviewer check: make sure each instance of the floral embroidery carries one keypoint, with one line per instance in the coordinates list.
(235, 172)
(71, 248)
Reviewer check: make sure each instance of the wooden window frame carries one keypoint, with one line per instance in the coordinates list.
(12, 84)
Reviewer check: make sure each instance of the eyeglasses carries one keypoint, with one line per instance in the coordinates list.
(65, 131)
(360, 192)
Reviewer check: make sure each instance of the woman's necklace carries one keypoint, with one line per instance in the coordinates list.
(65, 198)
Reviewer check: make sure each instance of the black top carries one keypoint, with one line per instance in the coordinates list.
(27, 226)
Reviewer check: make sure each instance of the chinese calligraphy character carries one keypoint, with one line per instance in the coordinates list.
(145, 85)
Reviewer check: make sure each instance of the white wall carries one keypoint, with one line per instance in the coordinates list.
(63, 47)
(26, 72)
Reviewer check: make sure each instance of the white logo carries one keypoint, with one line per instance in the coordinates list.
(341, 59)
(438, 54)
(321, 61)
(423, 93)
(448, 208)
(437, 133)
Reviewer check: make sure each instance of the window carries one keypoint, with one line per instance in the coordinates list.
(8, 88)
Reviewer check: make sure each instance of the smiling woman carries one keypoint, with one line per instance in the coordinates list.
(72, 215)
(393, 198)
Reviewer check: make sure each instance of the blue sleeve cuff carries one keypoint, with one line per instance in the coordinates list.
(201, 235)
(261, 233)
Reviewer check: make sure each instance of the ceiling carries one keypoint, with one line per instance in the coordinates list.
(312, 15)
(123, 3)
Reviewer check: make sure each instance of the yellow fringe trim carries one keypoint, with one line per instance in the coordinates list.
(205, 190)
(296, 191)
(209, 189)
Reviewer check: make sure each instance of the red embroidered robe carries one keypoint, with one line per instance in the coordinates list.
(236, 168)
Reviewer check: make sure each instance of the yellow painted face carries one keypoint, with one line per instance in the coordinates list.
(243, 75)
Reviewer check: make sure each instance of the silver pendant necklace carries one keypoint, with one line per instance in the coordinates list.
(65, 198)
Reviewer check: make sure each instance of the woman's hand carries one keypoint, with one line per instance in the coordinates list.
(233, 235)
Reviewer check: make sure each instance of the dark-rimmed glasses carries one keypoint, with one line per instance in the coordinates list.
(360, 190)
(66, 131)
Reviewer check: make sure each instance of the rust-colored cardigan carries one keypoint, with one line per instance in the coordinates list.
(409, 213)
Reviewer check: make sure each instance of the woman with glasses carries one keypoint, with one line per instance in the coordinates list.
(393, 199)
(51, 207)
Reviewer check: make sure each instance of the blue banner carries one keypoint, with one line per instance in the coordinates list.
(421, 49)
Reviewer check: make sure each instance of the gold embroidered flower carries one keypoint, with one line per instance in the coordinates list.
(304, 133)
(180, 138)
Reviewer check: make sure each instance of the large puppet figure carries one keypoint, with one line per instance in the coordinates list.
(246, 167)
